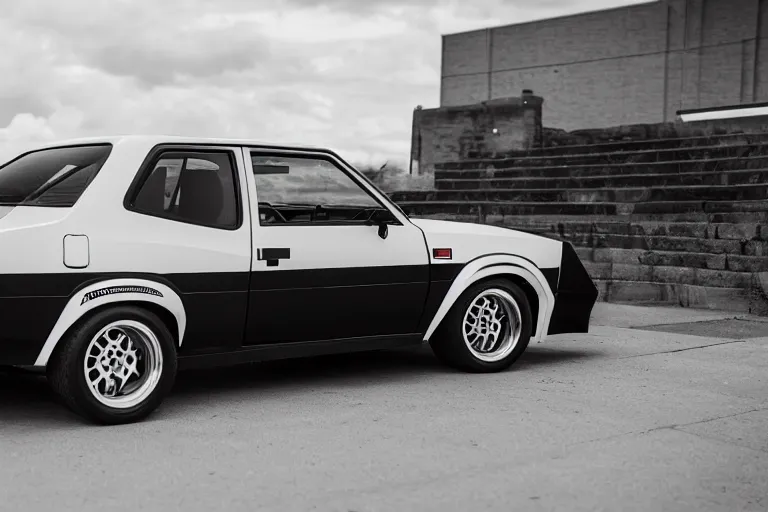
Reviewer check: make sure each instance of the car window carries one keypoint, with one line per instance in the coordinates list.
(193, 187)
(51, 177)
(301, 190)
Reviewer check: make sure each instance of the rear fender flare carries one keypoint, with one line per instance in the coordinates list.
(499, 265)
(113, 291)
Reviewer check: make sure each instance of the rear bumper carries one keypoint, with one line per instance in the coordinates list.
(575, 295)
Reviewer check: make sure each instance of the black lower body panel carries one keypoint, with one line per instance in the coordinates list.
(30, 306)
(575, 296)
(275, 351)
(25, 323)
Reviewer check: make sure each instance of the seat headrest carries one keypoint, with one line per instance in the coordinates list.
(201, 196)
(152, 195)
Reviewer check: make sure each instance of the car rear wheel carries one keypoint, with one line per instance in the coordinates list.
(116, 366)
(487, 329)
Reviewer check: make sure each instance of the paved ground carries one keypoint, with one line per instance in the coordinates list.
(619, 419)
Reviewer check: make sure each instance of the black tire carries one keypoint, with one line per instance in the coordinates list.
(448, 340)
(66, 373)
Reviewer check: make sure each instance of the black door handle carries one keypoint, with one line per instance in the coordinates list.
(273, 255)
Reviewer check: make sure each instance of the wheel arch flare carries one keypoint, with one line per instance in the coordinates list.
(113, 292)
(500, 265)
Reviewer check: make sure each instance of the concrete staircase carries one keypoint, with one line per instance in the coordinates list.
(676, 220)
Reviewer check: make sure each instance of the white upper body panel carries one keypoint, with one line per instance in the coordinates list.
(123, 240)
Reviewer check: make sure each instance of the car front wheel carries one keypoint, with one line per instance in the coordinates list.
(116, 366)
(487, 329)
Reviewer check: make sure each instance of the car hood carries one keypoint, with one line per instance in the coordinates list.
(469, 241)
(469, 228)
(5, 210)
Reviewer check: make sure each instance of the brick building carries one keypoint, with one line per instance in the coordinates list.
(635, 64)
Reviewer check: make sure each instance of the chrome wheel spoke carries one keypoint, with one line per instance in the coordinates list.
(491, 326)
(123, 364)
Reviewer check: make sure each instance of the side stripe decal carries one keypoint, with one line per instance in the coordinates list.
(101, 292)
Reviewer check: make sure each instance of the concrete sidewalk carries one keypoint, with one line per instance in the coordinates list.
(618, 419)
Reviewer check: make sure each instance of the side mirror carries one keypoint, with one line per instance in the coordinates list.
(382, 218)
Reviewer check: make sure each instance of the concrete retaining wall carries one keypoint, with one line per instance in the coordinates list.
(634, 64)
(454, 134)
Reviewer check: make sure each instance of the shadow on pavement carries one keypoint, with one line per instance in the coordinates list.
(358, 369)
(26, 398)
(351, 369)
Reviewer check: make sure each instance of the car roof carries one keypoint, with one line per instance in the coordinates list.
(177, 139)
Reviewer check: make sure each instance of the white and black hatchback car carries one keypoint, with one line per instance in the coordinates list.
(125, 259)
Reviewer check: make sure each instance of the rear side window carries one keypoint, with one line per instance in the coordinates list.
(195, 187)
(51, 177)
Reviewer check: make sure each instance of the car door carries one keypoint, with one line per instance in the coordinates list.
(188, 221)
(332, 259)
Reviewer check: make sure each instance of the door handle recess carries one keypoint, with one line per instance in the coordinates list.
(272, 255)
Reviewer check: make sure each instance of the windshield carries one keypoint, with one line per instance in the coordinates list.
(51, 177)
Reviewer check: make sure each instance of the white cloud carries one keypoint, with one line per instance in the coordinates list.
(319, 24)
(22, 133)
(340, 73)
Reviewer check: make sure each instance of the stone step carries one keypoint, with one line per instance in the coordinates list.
(730, 262)
(722, 231)
(669, 244)
(634, 145)
(751, 192)
(573, 171)
(669, 274)
(634, 156)
(660, 209)
(699, 217)
(713, 211)
(741, 177)
(603, 226)
(724, 207)
(737, 300)
(421, 208)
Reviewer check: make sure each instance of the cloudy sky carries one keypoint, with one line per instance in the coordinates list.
(340, 73)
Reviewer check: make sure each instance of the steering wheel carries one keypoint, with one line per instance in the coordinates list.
(273, 213)
(364, 214)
